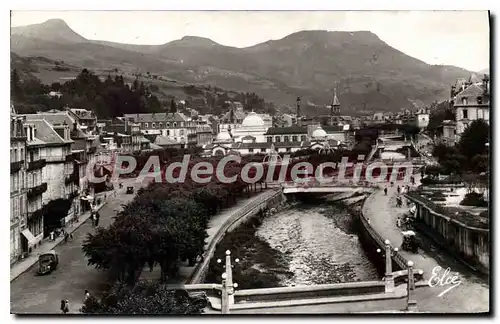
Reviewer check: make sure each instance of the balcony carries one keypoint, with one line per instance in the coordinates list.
(35, 165)
(72, 178)
(36, 214)
(16, 166)
(37, 191)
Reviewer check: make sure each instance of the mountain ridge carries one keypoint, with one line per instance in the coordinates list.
(368, 73)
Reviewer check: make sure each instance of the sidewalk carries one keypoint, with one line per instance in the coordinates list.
(24, 265)
(472, 295)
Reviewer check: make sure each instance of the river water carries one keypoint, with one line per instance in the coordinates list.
(319, 245)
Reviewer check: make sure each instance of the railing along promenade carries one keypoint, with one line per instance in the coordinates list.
(198, 271)
(398, 258)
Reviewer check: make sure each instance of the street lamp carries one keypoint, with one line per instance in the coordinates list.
(411, 304)
(227, 283)
(389, 277)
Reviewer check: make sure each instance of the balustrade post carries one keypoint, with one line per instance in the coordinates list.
(389, 277)
(411, 303)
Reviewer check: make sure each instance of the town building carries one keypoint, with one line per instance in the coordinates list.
(35, 184)
(470, 101)
(176, 126)
(20, 238)
(86, 119)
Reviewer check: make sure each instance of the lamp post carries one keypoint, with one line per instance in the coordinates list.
(411, 304)
(389, 277)
(227, 284)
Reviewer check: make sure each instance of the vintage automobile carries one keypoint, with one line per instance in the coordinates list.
(410, 241)
(196, 298)
(130, 190)
(47, 262)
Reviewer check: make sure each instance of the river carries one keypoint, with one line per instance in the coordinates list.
(318, 244)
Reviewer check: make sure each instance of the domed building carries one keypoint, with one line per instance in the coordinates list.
(319, 134)
(223, 137)
(253, 125)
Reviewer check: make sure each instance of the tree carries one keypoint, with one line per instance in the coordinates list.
(173, 106)
(15, 84)
(474, 138)
(145, 298)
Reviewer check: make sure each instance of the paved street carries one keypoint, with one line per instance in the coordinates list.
(472, 295)
(42, 294)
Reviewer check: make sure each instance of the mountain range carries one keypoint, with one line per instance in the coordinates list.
(369, 75)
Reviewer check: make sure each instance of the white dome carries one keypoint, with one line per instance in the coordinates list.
(223, 136)
(319, 133)
(253, 120)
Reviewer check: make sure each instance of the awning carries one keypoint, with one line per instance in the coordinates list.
(27, 234)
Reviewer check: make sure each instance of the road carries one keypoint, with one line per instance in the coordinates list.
(472, 295)
(42, 294)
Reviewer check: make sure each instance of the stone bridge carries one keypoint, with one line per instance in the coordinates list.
(315, 186)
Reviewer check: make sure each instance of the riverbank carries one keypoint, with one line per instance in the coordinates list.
(306, 243)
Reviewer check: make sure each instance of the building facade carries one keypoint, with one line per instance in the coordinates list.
(20, 239)
(470, 101)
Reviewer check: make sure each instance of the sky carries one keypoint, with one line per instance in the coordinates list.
(459, 38)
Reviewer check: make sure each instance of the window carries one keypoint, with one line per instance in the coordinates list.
(168, 124)
(288, 149)
(464, 101)
(250, 150)
(269, 139)
(277, 139)
(294, 138)
(263, 150)
(15, 155)
(182, 132)
(160, 125)
(22, 153)
(168, 132)
(480, 114)
(285, 139)
(479, 100)
(465, 113)
(303, 138)
(146, 125)
(175, 124)
(153, 125)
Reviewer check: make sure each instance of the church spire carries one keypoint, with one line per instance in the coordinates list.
(335, 103)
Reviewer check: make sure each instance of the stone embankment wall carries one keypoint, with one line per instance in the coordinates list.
(273, 199)
(470, 244)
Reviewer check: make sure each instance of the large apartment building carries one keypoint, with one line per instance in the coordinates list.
(20, 237)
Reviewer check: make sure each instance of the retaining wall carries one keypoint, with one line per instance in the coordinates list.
(468, 243)
(272, 199)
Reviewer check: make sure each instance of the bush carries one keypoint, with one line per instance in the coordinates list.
(474, 199)
(145, 298)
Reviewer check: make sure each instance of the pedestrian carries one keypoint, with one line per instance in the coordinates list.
(66, 237)
(97, 216)
(398, 222)
(71, 236)
(87, 295)
(385, 191)
(399, 190)
(65, 306)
